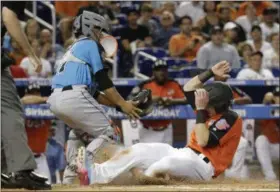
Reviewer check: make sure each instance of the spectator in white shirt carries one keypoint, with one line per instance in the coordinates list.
(257, 41)
(245, 50)
(28, 67)
(255, 70)
(271, 56)
(248, 20)
(269, 25)
(194, 9)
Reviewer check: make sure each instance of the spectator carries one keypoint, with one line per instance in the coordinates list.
(269, 25)
(32, 29)
(233, 6)
(165, 92)
(114, 6)
(184, 44)
(259, 6)
(165, 31)
(224, 13)
(49, 52)
(210, 19)
(245, 50)
(257, 41)
(55, 155)
(215, 51)
(248, 20)
(193, 9)
(37, 130)
(68, 8)
(255, 70)
(169, 6)
(267, 144)
(234, 34)
(17, 54)
(146, 18)
(271, 56)
(94, 6)
(131, 36)
(134, 31)
(28, 67)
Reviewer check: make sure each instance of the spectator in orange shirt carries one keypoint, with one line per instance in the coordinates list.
(259, 5)
(17, 54)
(37, 130)
(184, 44)
(69, 8)
(165, 92)
(267, 144)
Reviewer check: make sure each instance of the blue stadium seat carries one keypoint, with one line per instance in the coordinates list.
(184, 72)
(233, 73)
(145, 64)
(276, 72)
(155, 51)
(122, 19)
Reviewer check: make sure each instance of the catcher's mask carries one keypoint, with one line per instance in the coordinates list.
(87, 21)
(220, 95)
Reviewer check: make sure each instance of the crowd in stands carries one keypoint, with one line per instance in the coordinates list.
(201, 33)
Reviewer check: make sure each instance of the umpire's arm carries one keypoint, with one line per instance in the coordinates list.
(10, 13)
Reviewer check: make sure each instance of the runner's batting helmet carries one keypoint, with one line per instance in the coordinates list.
(220, 94)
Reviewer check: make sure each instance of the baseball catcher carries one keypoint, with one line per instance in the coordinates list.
(81, 83)
(209, 152)
(105, 150)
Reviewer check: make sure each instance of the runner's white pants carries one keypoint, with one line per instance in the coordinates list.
(153, 158)
(238, 169)
(266, 153)
(151, 136)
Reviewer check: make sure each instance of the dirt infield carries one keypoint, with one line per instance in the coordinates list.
(225, 185)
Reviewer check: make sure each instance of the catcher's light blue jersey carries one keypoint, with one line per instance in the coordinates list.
(73, 68)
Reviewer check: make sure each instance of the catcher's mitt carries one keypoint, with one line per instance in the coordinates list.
(144, 100)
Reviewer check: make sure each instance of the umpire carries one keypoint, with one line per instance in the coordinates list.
(17, 159)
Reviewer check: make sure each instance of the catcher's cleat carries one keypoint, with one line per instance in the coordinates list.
(81, 162)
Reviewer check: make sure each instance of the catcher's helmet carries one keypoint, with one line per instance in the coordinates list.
(85, 22)
(220, 94)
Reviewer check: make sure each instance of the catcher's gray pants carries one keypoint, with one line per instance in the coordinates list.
(16, 153)
(79, 110)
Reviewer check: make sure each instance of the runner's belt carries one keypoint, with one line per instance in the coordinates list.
(199, 153)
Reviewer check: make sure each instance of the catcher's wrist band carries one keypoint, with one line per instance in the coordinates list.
(201, 116)
(205, 76)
